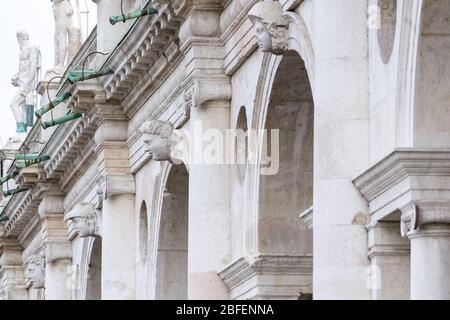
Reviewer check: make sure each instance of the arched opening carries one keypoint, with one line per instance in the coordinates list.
(286, 193)
(143, 233)
(172, 255)
(94, 275)
(432, 97)
(241, 144)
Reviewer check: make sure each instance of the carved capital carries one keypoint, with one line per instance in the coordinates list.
(270, 26)
(118, 184)
(157, 139)
(419, 214)
(211, 89)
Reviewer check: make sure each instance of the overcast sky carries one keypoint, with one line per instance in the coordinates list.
(36, 17)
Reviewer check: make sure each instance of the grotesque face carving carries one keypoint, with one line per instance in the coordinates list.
(270, 25)
(263, 37)
(84, 226)
(157, 139)
(84, 219)
(157, 147)
(35, 271)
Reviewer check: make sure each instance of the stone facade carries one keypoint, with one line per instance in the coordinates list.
(242, 149)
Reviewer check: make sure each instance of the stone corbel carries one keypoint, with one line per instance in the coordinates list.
(416, 215)
(209, 90)
(29, 176)
(118, 184)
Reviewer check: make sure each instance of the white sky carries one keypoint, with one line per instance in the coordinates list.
(36, 17)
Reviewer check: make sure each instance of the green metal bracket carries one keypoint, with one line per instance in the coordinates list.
(40, 112)
(14, 192)
(8, 176)
(77, 75)
(27, 156)
(28, 163)
(66, 118)
(132, 15)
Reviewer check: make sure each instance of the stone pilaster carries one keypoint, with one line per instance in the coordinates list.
(389, 256)
(341, 140)
(58, 249)
(12, 285)
(118, 264)
(209, 205)
(427, 225)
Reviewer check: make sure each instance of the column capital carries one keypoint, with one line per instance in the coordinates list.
(204, 89)
(416, 215)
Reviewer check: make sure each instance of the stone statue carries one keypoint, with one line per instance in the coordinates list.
(157, 139)
(25, 80)
(271, 26)
(36, 271)
(84, 219)
(67, 36)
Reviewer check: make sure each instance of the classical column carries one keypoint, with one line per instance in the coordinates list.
(341, 149)
(209, 201)
(427, 225)
(209, 206)
(118, 265)
(389, 255)
(12, 285)
(58, 249)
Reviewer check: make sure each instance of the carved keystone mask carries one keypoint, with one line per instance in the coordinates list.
(271, 27)
(84, 219)
(35, 271)
(157, 139)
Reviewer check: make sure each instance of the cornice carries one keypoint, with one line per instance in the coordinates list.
(245, 268)
(144, 56)
(400, 164)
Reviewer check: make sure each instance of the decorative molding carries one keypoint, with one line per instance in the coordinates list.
(118, 184)
(307, 217)
(210, 89)
(418, 214)
(400, 164)
(238, 276)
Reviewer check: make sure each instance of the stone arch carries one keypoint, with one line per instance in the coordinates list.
(432, 95)
(143, 232)
(166, 233)
(241, 144)
(284, 101)
(423, 69)
(291, 111)
(172, 249)
(90, 269)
